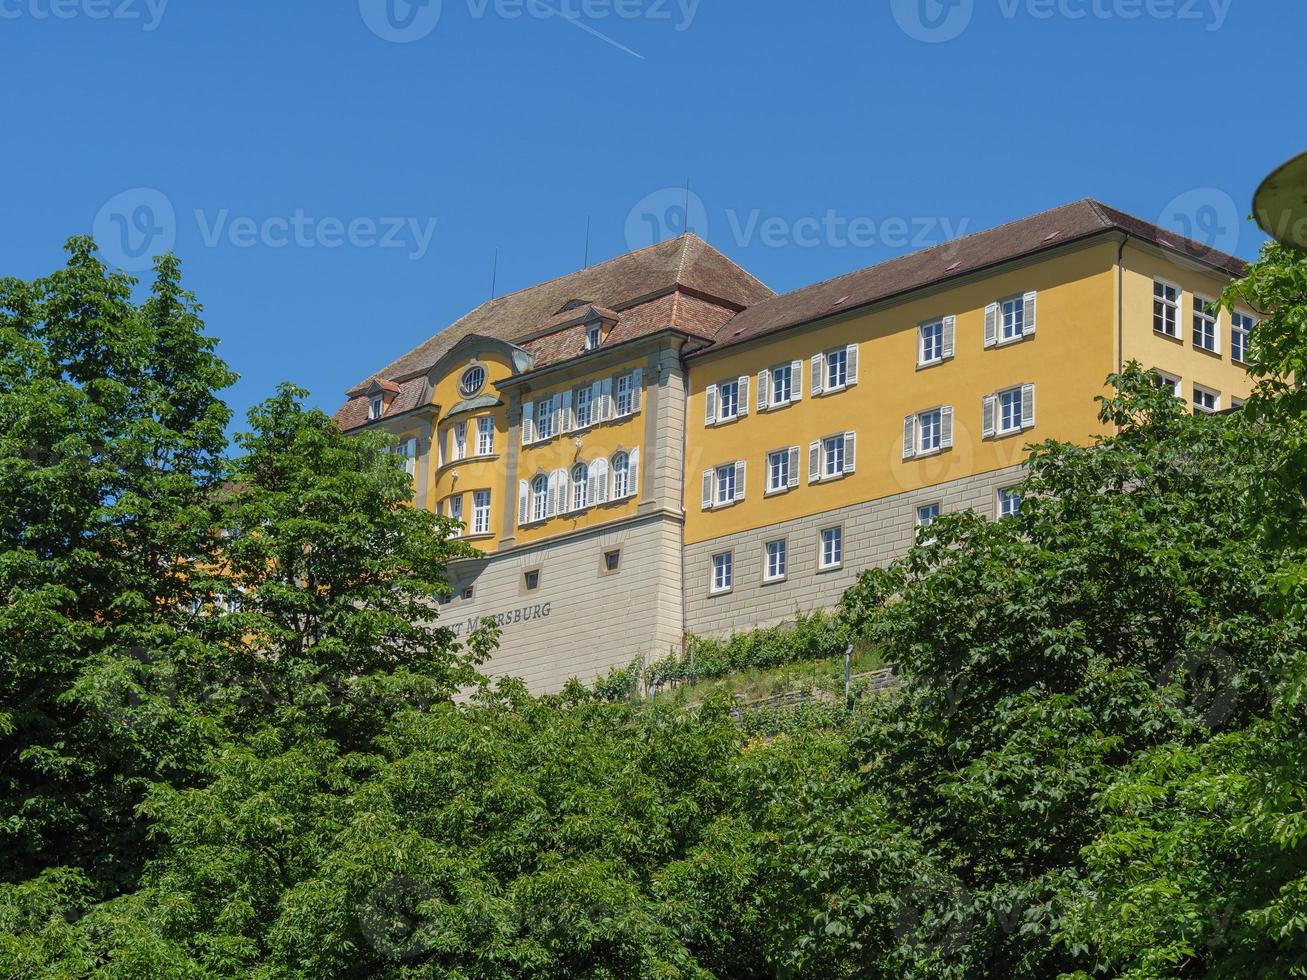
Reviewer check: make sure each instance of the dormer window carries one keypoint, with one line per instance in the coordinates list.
(376, 407)
(594, 335)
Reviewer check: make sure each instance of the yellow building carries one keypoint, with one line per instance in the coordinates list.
(660, 445)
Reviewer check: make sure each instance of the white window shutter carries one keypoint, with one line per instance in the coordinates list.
(1028, 314)
(742, 398)
(708, 477)
(601, 466)
(528, 423)
(793, 480)
(764, 379)
(592, 482)
(596, 402)
(950, 335)
(818, 365)
(851, 361)
(796, 381)
(710, 405)
(523, 502)
(946, 427)
(633, 473)
(606, 399)
(551, 496)
(1027, 406)
(909, 436)
(991, 324)
(637, 386)
(850, 452)
(556, 410)
(739, 480)
(569, 417)
(987, 417)
(814, 462)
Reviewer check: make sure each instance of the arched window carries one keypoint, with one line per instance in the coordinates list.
(580, 487)
(621, 475)
(540, 498)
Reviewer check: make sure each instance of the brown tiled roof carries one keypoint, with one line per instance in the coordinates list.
(355, 411)
(1050, 229)
(687, 262)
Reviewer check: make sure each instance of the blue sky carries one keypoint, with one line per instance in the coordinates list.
(337, 176)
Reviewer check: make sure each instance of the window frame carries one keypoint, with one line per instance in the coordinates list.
(1003, 396)
(837, 441)
(376, 407)
(715, 585)
(539, 498)
(784, 454)
(772, 400)
(627, 396)
(485, 431)
(932, 505)
(734, 386)
(1018, 318)
(922, 449)
(1208, 313)
(768, 576)
(621, 474)
(1173, 380)
(1011, 493)
(1212, 393)
(1245, 333)
(1176, 306)
(594, 335)
(930, 325)
(720, 484)
(829, 358)
(469, 391)
(543, 419)
(580, 487)
(478, 511)
(589, 406)
(822, 564)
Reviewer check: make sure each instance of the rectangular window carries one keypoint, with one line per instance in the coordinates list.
(376, 407)
(544, 419)
(583, 399)
(531, 579)
(723, 572)
(460, 441)
(837, 369)
(1206, 400)
(456, 508)
(832, 456)
(594, 334)
(931, 337)
(930, 431)
(1205, 329)
(725, 483)
(485, 435)
(613, 561)
(466, 594)
(407, 451)
(1168, 381)
(481, 512)
(728, 400)
(1012, 326)
(1009, 502)
(775, 568)
(1166, 309)
(782, 384)
(778, 470)
(625, 400)
(927, 513)
(1009, 410)
(1241, 328)
(832, 547)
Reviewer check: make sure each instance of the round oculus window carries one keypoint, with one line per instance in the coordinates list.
(473, 380)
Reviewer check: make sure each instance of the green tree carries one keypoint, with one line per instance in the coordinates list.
(110, 453)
